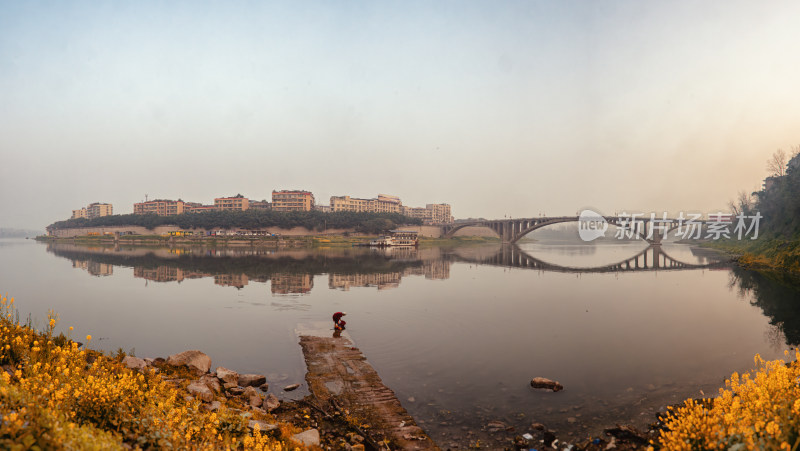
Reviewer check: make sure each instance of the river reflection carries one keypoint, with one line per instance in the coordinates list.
(778, 296)
(456, 332)
(287, 271)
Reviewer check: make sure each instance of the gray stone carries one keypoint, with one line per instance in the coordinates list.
(227, 376)
(291, 387)
(495, 426)
(194, 359)
(542, 382)
(134, 363)
(271, 402)
(236, 390)
(251, 380)
(308, 437)
(264, 387)
(263, 426)
(250, 392)
(201, 391)
(212, 383)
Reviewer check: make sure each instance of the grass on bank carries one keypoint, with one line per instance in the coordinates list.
(763, 253)
(54, 395)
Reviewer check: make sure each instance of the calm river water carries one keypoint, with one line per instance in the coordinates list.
(457, 333)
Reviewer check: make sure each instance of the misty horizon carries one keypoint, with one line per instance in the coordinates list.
(511, 109)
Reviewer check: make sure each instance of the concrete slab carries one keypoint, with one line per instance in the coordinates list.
(339, 375)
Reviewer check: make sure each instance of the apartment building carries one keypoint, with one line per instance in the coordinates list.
(384, 203)
(260, 204)
(161, 207)
(347, 203)
(288, 200)
(418, 213)
(197, 207)
(93, 210)
(440, 213)
(236, 203)
(431, 214)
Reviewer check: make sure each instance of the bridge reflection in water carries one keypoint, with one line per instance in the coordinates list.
(653, 258)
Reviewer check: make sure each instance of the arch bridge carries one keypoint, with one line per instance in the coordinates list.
(512, 230)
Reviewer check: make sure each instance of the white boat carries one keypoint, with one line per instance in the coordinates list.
(384, 241)
(406, 238)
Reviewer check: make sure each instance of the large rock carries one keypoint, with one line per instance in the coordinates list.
(200, 391)
(251, 380)
(249, 392)
(236, 391)
(212, 383)
(227, 376)
(309, 437)
(542, 382)
(255, 401)
(196, 360)
(134, 363)
(270, 403)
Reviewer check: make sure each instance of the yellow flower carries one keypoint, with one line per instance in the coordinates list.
(88, 338)
(70, 327)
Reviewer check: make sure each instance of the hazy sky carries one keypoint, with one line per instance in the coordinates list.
(498, 108)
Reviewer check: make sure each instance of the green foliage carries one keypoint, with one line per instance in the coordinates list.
(780, 204)
(251, 219)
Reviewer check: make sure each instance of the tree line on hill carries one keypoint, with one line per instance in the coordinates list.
(364, 222)
(779, 201)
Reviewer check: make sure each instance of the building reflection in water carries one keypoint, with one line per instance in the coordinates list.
(345, 281)
(287, 283)
(94, 268)
(289, 272)
(231, 280)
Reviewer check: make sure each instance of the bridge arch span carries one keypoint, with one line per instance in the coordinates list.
(612, 221)
(450, 231)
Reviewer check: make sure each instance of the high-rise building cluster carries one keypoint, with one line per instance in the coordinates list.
(283, 200)
(430, 214)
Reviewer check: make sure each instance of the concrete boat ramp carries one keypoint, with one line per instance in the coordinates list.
(341, 379)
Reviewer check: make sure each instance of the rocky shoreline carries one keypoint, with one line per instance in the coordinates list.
(335, 429)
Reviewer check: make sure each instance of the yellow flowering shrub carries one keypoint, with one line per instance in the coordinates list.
(51, 397)
(759, 411)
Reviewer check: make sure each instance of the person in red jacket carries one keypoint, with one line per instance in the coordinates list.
(338, 322)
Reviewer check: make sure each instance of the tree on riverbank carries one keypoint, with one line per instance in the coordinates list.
(778, 203)
(365, 222)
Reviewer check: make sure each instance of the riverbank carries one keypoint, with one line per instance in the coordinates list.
(771, 254)
(262, 241)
